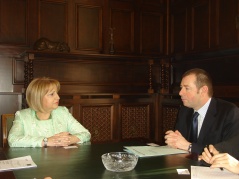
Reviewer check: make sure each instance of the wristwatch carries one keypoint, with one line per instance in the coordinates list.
(45, 140)
(190, 148)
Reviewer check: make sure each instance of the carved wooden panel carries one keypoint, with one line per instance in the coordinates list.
(135, 121)
(169, 117)
(113, 117)
(13, 22)
(98, 120)
(165, 77)
(53, 20)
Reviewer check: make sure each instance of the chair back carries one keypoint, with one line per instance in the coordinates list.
(7, 121)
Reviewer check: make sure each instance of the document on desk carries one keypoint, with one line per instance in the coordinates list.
(199, 172)
(17, 163)
(150, 151)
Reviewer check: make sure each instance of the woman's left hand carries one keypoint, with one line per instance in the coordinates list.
(64, 139)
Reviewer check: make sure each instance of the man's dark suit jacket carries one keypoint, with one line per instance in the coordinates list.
(221, 123)
(230, 146)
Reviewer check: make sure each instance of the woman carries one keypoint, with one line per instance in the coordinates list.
(220, 160)
(45, 123)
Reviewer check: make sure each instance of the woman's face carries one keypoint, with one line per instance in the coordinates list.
(51, 100)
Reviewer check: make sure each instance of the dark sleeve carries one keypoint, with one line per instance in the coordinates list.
(197, 148)
(230, 146)
(183, 121)
(226, 128)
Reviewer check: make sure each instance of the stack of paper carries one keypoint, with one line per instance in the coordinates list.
(17, 163)
(199, 172)
(149, 151)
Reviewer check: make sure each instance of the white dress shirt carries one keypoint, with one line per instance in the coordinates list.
(202, 113)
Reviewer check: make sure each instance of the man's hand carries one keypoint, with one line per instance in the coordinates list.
(170, 138)
(176, 140)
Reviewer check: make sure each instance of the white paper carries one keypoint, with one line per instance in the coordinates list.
(149, 151)
(17, 163)
(153, 144)
(71, 147)
(183, 172)
(199, 172)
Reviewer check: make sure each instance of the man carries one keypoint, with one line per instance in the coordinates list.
(218, 120)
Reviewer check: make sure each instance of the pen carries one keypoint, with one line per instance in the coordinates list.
(212, 156)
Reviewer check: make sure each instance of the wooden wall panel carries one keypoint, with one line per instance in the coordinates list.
(228, 23)
(53, 22)
(179, 33)
(153, 27)
(200, 27)
(13, 22)
(122, 23)
(99, 76)
(88, 28)
(151, 33)
(113, 117)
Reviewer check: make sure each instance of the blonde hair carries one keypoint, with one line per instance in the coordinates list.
(37, 89)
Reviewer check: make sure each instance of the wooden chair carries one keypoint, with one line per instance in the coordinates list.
(7, 120)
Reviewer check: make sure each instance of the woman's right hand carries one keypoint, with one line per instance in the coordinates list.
(60, 139)
(208, 154)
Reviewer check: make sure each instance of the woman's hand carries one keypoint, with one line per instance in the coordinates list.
(208, 154)
(62, 139)
(217, 160)
(226, 161)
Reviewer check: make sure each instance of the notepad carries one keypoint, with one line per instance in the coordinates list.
(17, 163)
(150, 151)
(199, 172)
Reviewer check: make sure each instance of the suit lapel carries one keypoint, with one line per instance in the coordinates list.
(189, 123)
(208, 120)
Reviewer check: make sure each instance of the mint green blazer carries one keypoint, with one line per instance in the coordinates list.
(28, 131)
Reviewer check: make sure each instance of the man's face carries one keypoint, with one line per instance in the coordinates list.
(190, 95)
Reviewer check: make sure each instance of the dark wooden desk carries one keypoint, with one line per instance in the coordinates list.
(85, 163)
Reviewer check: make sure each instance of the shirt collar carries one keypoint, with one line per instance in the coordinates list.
(203, 110)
